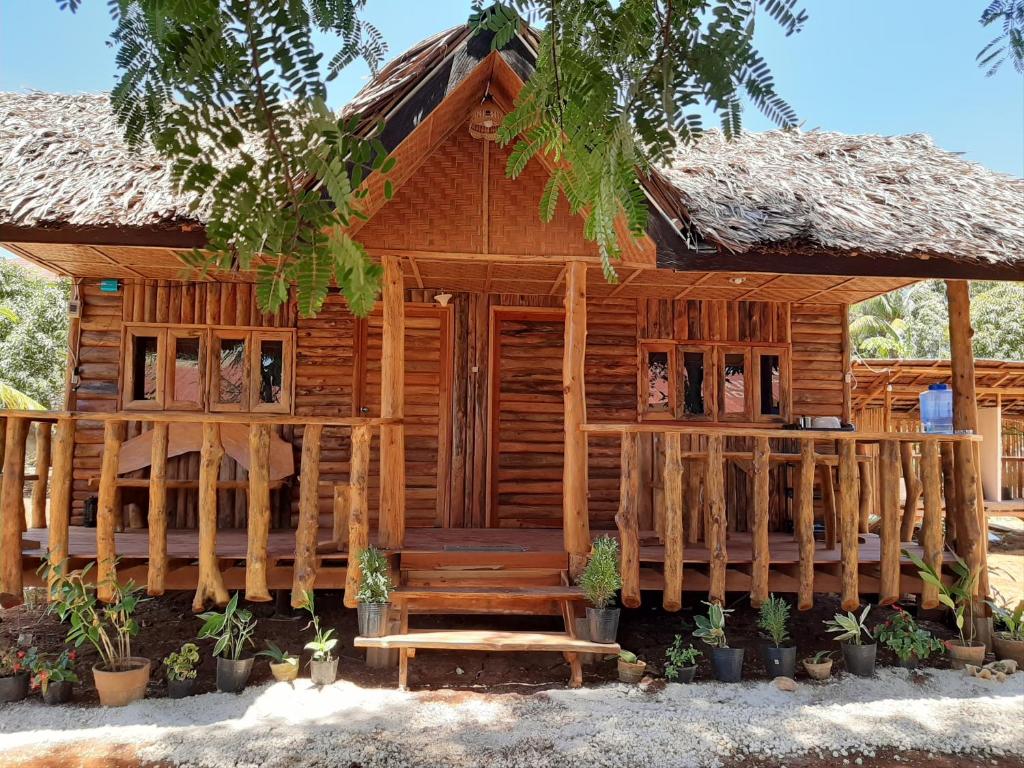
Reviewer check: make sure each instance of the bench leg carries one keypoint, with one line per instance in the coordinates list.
(403, 669)
(575, 670)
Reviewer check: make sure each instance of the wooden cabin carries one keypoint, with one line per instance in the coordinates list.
(505, 404)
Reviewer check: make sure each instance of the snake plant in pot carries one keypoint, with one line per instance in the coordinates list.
(850, 631)
(323, 666)
(181, 671)
(959, 598)
(284, 666)
(600, 581)
(726, 662)
(779, 657)
(374, 593)
(233, 629)
(109, 627)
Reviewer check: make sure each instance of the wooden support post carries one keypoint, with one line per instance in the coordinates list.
(309, 515)
(913, 491)
(716, 529)
(43, 435)
(804, 524)
(627, 519)
(210, 582)
(12, 511)
(358, 515)
(575, 515)
(60, 496)
(672, 482)
(867, 490)
(259, 514)
(949, 493)
(828, 504)
(157, 571)
(849, 519)
(339, 529)
(694, 508)
(889, 478)
(392, 406)
(972, 539)
(108, 512)
(931, 523)
(759, 531)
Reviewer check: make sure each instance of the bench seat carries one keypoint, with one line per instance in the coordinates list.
(487, 640)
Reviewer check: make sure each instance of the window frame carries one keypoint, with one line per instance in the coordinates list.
(128, 402)
(287, 365)
(721, 351)
(708, 386)
(785, 383)
(643, 381)
(172, 334)
(218, 335)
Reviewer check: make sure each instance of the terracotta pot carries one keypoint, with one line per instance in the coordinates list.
(285, 671)
(1006, 648)
(631, 672)
(323, 672)
(58, 692)
(14, 687)
(961, 655)
(820, 671)
(117, 688)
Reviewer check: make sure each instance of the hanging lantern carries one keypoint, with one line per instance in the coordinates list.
(485, 119)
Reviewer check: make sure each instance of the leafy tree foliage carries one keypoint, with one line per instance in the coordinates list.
(33, 337)
(1009, 43)
(232, 93)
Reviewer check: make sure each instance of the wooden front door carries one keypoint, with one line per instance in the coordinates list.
(526, 419)
(428, 369)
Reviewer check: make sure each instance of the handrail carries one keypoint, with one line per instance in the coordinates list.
(783, 434)
(200, 417)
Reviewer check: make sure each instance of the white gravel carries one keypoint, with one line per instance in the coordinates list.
(686, 726)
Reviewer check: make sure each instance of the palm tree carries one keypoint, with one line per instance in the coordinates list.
(879, 325)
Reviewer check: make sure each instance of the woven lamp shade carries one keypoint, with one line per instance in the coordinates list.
(485, 119)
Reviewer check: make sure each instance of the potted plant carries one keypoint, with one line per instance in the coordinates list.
(1008, 640)
(181, 671)
(233, 629)
(600, 581)
(55, 676)
(819, 666)
(323, 667)
(374, 593)
(631, 669)
(959, 598)
(726, 662)
(911, 644)
(850, 631)
(284, 666)
(15, 664)
(773, 620)
(120, 677)
(680, 662)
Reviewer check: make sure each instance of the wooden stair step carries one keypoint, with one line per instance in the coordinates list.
(487, 640)
(486, 592)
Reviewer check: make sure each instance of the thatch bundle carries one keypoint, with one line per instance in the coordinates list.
(880, 194)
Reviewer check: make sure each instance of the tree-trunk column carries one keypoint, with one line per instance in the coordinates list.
(576, 524)
(392, 406)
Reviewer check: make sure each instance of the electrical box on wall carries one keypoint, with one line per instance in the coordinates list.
(111, 285)
(74, 308)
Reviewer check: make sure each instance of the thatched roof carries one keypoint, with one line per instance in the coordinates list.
(880, 194)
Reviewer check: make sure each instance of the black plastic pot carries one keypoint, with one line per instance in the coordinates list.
(14, 688)
(860, 659)
(233, 674)
(323, 672)
(58, 692)
(780, 662)
(686, 674)
(182, 689)
(910, 662)
(603, 624)
(727, 664)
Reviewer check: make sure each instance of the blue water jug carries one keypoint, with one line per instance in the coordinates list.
(937, 409)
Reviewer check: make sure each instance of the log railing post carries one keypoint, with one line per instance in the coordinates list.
(259, 514)
(804, 524)
(575, 519)
(210, 581)
(759, 532)
(912, 488)
(949, 492)
(12, 511)
(60, 496)
(889, 566)
(867, 490)
(339, 517)
(849, 519)
(157, 570)
(108, 509)
(358, 515)
(627, 519)
(715, 533)
(309, 515)
(672, 493)
(931, 523)
(43, 441)
(392, 406)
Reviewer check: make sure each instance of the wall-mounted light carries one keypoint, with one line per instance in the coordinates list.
(737, 280)
(443, 298)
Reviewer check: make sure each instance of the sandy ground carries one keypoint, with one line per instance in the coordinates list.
(1006, 558)
(939, 713)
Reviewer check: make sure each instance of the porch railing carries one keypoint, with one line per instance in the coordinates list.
(945, 473)
(351, 518)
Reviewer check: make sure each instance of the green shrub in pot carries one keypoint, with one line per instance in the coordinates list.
(15, 666)
(374, 593)
(284, 666)
(901, 635)
(773, 620)
(600, 581)
(1008, 639)
(959, 598)
(181, 671)
(323, 666)
(233, 630)
(851, 631)
(54, 676)
(726, 662)
(681, 662)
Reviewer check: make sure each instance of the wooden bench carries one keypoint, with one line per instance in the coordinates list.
(487, 599)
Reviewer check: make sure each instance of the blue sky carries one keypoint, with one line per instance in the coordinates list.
(860, 66)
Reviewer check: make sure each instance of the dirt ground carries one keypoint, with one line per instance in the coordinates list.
(1006, 558)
